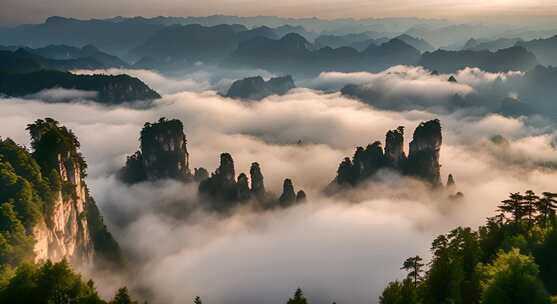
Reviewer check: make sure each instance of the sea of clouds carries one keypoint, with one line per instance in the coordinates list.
(343, 248)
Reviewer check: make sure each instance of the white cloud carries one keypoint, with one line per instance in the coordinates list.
(335, 250)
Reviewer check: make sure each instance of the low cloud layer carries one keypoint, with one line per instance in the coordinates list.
(200, 78)
(336, 249)
(410, 87)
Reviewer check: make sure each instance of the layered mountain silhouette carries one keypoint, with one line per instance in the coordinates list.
(65, 52)
(504, 60)
(358, 41)
(115, 36)
(294, 54)
(417, 43)
(490, 45)
(544, 49)
(62, 58)
(191, 43)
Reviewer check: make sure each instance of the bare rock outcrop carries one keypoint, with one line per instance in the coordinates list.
(222, 191)
(425, 147)
(256, 88)
(163, 154)
(422, 161)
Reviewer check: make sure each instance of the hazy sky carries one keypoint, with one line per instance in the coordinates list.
(33, 11)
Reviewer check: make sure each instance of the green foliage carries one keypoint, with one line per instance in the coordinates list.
(298, 298)
(24, 196)
(452, 278)
(16, 245)
(546, 255)
(512, 279)
(413, 266)
(48, 283)
(397, 292)
(30, 182)
(496, 264)
(122, 297)
(106, 248)
(53, 144)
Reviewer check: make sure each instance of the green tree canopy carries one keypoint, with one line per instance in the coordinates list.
(122, 297)
(49, 283)
(512, 279)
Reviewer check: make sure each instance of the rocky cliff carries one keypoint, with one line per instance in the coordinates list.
(49, 197)
(256, 88)
(163, 154)
(67, 233)
(422, 161)
(223, 191)
(425, 147)
(23, 73)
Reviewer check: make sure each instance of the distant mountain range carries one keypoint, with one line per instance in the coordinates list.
(119, 35)
(294, 54)
(545, 49)
(510, 59)
(174, 43)
(60, 57)
(490, 45)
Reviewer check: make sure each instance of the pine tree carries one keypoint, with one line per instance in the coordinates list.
(414, 267)
(122, 297)
(298, 297)
(529, 205)
(546, 206)
(514, 206)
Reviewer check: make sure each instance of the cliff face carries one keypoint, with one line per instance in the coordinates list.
(45, 193)
(67, 234)
(422, 161)
(394, 148)
(163, 154)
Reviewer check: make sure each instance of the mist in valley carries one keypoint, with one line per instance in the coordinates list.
(342, 248)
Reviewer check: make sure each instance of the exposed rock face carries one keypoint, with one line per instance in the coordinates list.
(163, 154)
(68, 235)
(425, 147)
(256, 88)
(71, 227)
(422, 161)
(394, 148)
(222, 192)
